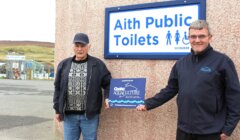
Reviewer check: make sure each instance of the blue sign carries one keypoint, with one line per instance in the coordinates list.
(151, 31)
(127, 92)
(29, 65)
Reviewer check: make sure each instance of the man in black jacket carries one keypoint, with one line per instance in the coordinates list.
(208, 90)
(78, 91)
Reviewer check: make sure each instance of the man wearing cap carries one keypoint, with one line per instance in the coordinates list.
(78, 91)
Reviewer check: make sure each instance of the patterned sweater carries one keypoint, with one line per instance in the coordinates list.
(77, 83)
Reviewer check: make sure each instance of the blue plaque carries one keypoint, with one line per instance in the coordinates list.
(127, 92)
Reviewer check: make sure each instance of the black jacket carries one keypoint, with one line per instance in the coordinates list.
(208, 93)
(98, 77)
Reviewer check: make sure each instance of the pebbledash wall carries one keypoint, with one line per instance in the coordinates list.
(127, 124)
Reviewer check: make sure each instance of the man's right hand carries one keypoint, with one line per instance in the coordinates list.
(58, 117)
(141, 108)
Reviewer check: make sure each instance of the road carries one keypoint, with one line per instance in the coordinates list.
(26, 110)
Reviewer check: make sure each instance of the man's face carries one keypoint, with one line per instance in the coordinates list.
(199, 39)
(81, 51)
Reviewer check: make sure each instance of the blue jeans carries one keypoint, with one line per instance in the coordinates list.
(74, 125)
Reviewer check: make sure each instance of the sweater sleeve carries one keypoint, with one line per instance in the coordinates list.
(232, 97)
(166, 93)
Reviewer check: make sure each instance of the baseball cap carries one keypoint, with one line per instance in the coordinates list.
(81, 38)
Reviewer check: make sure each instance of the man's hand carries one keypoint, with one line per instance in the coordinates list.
(223, 136)
(58, 117)
(106, 104)
(141, 108)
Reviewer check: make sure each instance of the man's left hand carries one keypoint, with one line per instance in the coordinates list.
(223, 136)
(106, 104)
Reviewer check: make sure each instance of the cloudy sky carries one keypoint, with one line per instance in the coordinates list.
(30, 20)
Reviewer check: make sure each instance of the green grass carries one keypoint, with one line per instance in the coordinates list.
(37, 53)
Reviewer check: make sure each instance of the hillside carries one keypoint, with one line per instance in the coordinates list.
(42, 52)
(26, 43)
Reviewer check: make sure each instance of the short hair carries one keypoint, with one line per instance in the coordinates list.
(199, 25)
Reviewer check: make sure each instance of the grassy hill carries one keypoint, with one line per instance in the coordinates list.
(42, 52)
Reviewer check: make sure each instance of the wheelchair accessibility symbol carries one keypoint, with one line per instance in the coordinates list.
(185, 39)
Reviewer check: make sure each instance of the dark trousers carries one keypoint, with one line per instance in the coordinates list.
(186, 136)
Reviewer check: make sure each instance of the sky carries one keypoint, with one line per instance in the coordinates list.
(27, 20)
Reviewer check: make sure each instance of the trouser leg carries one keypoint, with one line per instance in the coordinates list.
(89, 127)
(181, 135)
(71, 128)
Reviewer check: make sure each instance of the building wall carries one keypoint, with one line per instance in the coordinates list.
(128, 124)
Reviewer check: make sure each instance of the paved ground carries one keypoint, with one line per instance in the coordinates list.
(26, 110)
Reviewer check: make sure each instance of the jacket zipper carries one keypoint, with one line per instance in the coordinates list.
(64, 108)
(65, 95)
(88, 90)
(191, 101)
(64, 105)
